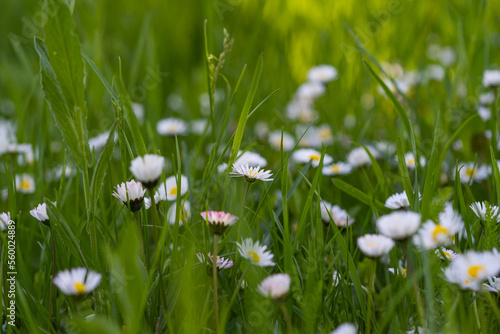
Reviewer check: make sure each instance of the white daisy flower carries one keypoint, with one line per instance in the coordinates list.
(358, 156)
(275, 141)
(25, 183)
(468, 172)
(98, 142)
(222, 263)
(310, 90)
(218, 220)
(184, 213)
(130, 191)
(275, 286)
(399, 225)
(339, 216)
(410, 160)
(375, 245)
(4, 220)
(325, 134)
(397, 201)
(138, 111)
(301, 110)
(261, 129)
(251, 174)
(322, 73)
(55, 174)
(491, 78)
(472, 268)
(484, 113)
(171, 127)
(304, 155)
(198, 126)
(448, 254)
(251, 159)
(222, 167)
(485, 210)
(338, 168)
(432, 235)
(257, 254)
(167, 191)
(385, 148)
(435, 72)
(494, 285)
(77, 282)
(487, 98)
(40, 213)
(148, 169)
(398, 271)
(345, 328)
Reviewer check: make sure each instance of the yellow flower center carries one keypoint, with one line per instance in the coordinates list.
(255, 256)
(470, 172)
(252, 172)
(438, 230)
(335, 169)
(173, 191)
(25, 184)
(372, 244)
(325, 133)
(475, 270)
(411, 161)
(314, 157)
(80, 287)
(404, 272)
(448, 255)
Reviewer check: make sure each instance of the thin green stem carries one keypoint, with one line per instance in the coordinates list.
(153, 215)
(287, 318)
(247, 189)
(141, 241)
(53, 272)
(214, 276)
(371, 289)
(476, 313)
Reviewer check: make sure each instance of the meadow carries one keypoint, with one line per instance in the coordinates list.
(234, 166)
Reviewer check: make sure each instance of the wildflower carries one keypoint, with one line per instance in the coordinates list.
(301, 110)
(485, 211)
(310, 90)
(261, 129)
(198, 126)
(432, 235)
(131, 191)
(98, 142)
(398, 271)
(339, 216)
(304, 155)
(250, 158)
(322, 73)
(257, 254)
(218, 221)
(275, 141)
(397, 201)
(410, 160)
(345, 328)
(487, 98)
(399, 225)
(138, 111)
(491, 78)
(40, 213)
(171, 127)
(184, 213)
(275, 286)
(222, 263)
(148, 169)
(375, 245)
(468, 172)
(358, 156)
(251, 174)
(25, 183)
(472, 268)
(448, 254)
(77, 282)
(338, 168)
(168, 189)
(494, 285)
(4, 220)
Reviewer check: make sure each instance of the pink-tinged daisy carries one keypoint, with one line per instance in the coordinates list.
(275, 286)
(222, 263)
(130, 192)
(40, 213)
(218, 221)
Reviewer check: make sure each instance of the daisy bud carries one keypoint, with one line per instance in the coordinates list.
(40, 213)
(275, 286)
(4, 220)
(130, 192)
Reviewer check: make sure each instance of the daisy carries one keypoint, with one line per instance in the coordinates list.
(275, 141)
(250, 158)
(198, 126)
(468, 172)
(98, 142)
(358, 156)
(338, 168)
(310, 90)
(261, 129)
(472, 268)
(432, 235)
(487, 98)
(257, 254)
(491, 78)
(275, 286)
(410, 160)
(138, 111)
(171, 127)
(25, 183)
(398, 271)
(339, 216)
(184, 214)
(167, 191)
(148, 169)
(325, 135)
(218, 220)
(77, 282)
(494, 285)
(4, 220)
(309, 136)
(40, 213)
(301, 110)
(485, 210)
(251, 174)
(222, 263)
(304, 155)
(131, 191)
(448, 254)
(375, 245)
(399, 225)
(345, 328)
(484, 113)
(397, 201)
(322, 73)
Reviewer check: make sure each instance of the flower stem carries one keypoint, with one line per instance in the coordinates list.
(53, 272)
(233, 298)
(141, 241)
(214, 276)
(287, 318)
(153, 215)
(476, 314)
(371, 289)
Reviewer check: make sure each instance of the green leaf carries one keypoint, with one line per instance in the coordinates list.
(96, 325)
(361, 196)
(432, 169)
(496, 174)
(403, 169)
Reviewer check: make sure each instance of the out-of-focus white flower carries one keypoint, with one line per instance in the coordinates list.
(184, 213)
(385, 148)
(345, 328)
(322, 73)
(300, 110)
(77, 281)
(171, 126)
(138, 111)
(358, 156)
(168, 189)
(398, 271)
(304, 155)
(435, 72)
(310, 90)
(484, 113)
(448, 254)
(261, 129)
(432, 235)
(275, 141)
(25, 183)
(491, 78)
(251, 174)
(446, 56)
(4, 220)
(469, 171)
(98, 142)
(494, 285)
(457, 145)
(397, 201)
(375, 245)
(251, 159)
(148, 169)
(487, 98)
(485, 210)
(399, 225)
(338, 168)
(256, 253)
(410, 160)
(339, 216)
(198, 126)
(275, 286)
(472, 268)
